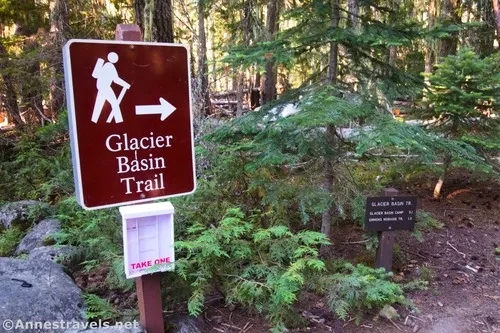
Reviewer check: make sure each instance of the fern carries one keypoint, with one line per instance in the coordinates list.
(356, 288)
(98, 308)
(98, 234)
(9, 239)
(425, 221)
(261, 268)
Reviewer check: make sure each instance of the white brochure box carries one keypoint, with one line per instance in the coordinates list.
(148, 238)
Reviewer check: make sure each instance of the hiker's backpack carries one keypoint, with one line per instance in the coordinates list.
(97, 68)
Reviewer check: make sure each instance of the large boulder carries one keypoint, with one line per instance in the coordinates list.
(36, 237)
(16, 214)
(52, 253)
(41, 292)
(186, 324)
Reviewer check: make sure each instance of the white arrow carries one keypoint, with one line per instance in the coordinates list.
(165, 109)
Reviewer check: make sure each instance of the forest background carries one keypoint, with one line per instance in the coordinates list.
(301, 109)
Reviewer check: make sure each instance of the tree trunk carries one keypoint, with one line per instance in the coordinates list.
(58, 27)
(496, 11)
(330, 133)
(246, 41)
(270, 75)
(392, 55)
(239, 94)
(163, 29)
(450, 15)
(255, 91)
(485, 35)
(31, 89)
(10, 92)
(139, 14)
(214, 56)
(353, 6)
(202, 59)
(430, 55)
(147, 21)
(439, 185)
(393, 49)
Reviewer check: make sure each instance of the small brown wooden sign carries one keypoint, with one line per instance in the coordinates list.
(390, 213)
(130, 121)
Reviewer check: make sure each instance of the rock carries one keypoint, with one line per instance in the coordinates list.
(319, 305)
(129, 327)
(36, 237)
(51, 253)
(388, 312)
(398, 278)
(16, 214)
(459, 280)
(414, 262)
(416, 328)
(53, 296)
(186, 324)
(132, 298)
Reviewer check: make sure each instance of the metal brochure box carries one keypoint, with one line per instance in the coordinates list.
(148, 238)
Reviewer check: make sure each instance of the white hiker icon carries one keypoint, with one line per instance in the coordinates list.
(106, 74)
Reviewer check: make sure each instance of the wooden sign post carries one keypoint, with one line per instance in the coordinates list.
(386, 240)
(148, 286)
(386, 215)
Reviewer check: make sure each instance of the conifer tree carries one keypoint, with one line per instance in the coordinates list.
(357, 90)
(59, 27)
(202, 57)
(464, 102)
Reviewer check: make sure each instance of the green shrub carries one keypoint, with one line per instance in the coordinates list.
(263, 269)
(98, 308)
(99, 235)
(417, 284)
(38, 162)
(356, 288)
(9, 239)
(425, 221)
(464, 89)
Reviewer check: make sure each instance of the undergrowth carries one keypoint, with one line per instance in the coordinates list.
(245, 234)
(9, 239)
(98, 234)
(98, 308)
(38, 162)
(262, 268)
(351, 290)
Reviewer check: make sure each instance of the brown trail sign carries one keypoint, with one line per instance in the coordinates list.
(390, 213)
(386, 214)
(130, 121)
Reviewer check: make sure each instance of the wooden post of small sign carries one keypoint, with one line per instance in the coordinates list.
(148, 286)
(386, 240)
